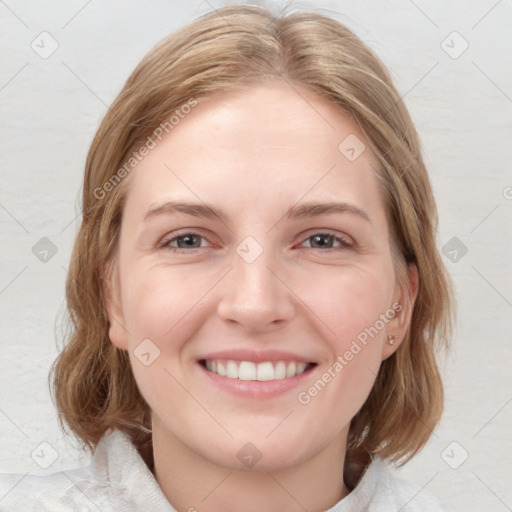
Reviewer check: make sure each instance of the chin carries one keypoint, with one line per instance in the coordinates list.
(255, 453)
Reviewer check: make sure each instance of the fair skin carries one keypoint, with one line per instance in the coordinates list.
(253, 155)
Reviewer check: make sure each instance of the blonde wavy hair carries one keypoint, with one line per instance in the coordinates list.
(238, 46)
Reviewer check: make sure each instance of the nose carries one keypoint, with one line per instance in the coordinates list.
(255, 297)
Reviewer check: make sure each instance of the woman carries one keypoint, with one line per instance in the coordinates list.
(255, 292)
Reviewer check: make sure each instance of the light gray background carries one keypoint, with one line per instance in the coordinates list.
(50, 108)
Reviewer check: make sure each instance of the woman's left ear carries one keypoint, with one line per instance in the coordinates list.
(405, 297)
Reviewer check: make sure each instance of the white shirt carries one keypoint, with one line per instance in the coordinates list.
(117, 479)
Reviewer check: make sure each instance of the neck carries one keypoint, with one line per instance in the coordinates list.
(191, 482)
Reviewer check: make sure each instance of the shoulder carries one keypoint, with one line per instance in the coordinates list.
(116, 479)
(381, 490)
(54, 492)
(413, 498)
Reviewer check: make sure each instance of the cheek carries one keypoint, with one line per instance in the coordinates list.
(164, 306)
(159, 301)
(351, 305)
(350, 302)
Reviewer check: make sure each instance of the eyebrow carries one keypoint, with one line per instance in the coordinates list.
(309, 209)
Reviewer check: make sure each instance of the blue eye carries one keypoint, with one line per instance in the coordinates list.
(186, 241)
(326, 241)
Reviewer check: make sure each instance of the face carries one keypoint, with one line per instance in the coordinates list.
(255, 288)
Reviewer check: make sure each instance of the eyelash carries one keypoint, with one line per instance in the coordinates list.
(345, 242)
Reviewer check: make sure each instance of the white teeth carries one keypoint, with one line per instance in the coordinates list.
(247, 370)
(280, 370)
(300, 368)
(232, 370)
(265, 371)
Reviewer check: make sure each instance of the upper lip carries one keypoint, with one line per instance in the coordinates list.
(256, 356)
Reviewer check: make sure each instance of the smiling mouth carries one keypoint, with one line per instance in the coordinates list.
(250, 371)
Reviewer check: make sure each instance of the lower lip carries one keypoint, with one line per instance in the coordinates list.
(256, 388)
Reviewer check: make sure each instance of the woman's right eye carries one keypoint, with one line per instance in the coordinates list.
(184, 242)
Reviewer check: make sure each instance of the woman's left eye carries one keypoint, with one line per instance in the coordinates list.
(327, 241)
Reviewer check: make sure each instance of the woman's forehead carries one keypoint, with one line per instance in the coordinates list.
(261, 142)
